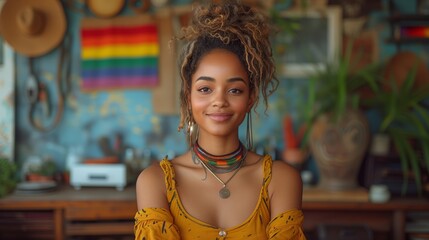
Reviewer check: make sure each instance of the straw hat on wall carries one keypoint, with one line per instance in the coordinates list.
(101, 9)
(32, 27)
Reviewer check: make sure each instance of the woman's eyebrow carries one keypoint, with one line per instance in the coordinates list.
(234, 79)
(206, 78)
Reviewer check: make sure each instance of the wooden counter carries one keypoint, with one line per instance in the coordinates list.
(67, 213)
(387, 220)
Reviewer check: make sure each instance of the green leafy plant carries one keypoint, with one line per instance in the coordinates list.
(335, 88)
(406, 120)
(7, 176)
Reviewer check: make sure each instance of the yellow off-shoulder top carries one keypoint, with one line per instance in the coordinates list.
(159, 223)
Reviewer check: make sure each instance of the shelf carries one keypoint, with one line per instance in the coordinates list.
(408, 41)
(409, 18)
(406, 28)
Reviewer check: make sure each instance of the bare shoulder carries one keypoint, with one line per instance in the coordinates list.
(285, 188)
(150, 188)
(284, 173)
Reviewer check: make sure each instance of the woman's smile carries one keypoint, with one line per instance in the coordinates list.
(219, 117)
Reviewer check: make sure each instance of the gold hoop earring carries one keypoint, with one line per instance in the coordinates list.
(192, 132)
(249, 131)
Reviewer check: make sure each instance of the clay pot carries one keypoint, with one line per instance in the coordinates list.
(33, 177)
(400, 65)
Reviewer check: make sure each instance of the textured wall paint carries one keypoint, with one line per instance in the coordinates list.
(7, 103)
(90, 116)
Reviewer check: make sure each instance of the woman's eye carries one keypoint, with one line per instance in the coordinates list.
(236, 91)
(204, 90)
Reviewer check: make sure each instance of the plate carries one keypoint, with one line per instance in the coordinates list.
(33, 187)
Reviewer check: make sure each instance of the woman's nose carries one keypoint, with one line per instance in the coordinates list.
(219, 99)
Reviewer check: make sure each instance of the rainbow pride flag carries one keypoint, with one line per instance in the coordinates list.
(119, 56)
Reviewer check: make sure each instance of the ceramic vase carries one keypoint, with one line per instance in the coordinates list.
(338, 148)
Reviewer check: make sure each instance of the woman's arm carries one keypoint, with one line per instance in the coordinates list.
(153, 219)
(150, 188)
(285, 192)
(285, 188)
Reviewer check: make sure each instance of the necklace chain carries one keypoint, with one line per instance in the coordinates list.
(224, 191)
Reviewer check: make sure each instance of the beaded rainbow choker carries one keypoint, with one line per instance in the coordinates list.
(221, 163)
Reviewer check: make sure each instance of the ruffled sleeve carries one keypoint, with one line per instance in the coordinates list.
(155, 223)
(286, 226)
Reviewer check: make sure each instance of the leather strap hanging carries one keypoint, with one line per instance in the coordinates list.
(39, 93)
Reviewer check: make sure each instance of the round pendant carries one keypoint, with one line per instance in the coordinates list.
(224, 193)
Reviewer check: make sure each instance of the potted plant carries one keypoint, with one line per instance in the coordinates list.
(337, 130)
(405, 119)
(7, 176)
(41, 171)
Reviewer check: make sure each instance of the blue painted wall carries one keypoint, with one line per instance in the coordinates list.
(90, 116)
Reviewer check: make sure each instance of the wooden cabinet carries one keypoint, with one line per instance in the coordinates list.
(105, 213)
(94, 218)
(386, 221)
(89, 213)
(20, 224)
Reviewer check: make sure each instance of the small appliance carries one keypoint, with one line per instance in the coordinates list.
(96, 175)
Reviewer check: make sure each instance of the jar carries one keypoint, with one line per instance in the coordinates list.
(379, 193)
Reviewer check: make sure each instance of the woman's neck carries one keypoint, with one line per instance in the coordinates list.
(218, 145)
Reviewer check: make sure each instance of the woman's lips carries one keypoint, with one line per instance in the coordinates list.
(219, 117)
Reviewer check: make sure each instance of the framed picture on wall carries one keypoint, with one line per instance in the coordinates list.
(315, 42)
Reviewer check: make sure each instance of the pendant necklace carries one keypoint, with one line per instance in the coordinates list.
(224, 191)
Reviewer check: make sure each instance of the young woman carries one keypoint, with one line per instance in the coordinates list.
(220, 189)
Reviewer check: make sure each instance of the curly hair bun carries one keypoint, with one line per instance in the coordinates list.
(228, 20)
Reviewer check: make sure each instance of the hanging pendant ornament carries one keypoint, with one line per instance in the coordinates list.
(224, 192)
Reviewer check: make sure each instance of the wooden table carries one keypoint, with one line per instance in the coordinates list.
(91, 212)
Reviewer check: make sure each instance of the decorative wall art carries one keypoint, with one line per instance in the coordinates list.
(119, 53)
(315, 42)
